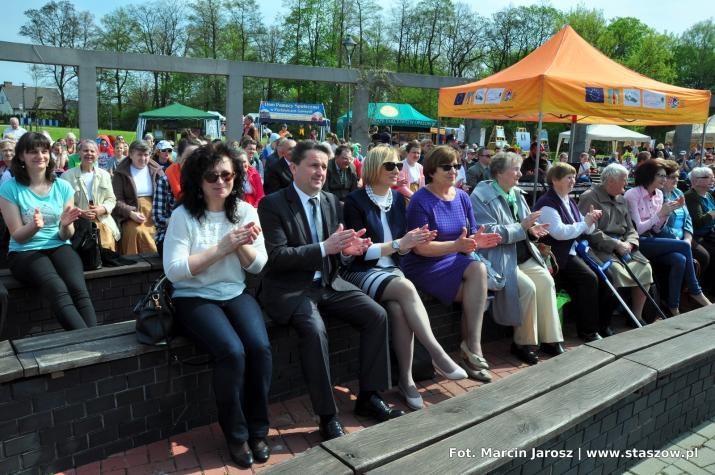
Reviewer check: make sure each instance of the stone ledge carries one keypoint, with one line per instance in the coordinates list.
(530, 424)
(144, 262)
(371, 448)
(62, 351)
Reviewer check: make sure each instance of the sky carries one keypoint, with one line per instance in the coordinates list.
(672, 16)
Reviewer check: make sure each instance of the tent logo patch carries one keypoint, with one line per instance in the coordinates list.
(614, 96)
(508, 95)
(632, 97)
(653, 100)
(595, 94)
(459, 99)
(673, 102)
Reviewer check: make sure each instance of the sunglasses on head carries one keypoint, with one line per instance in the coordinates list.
(390, 166)
(166, 150)
(212, 177)
(446, 168)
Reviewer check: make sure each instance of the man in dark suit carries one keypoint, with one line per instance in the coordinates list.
(306, 244)
(284, 143)
(278, 174)
(342, 178)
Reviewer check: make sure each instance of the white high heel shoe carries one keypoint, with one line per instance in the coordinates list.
(457, 374)
(414, 403)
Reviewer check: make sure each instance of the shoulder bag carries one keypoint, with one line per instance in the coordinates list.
(155, 314)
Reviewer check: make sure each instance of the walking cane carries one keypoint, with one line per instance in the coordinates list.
(624, 261)
(600, 270)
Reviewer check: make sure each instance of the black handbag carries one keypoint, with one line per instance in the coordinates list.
(155, 314)
(85, 241)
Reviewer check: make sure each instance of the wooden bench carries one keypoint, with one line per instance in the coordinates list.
(604, 394)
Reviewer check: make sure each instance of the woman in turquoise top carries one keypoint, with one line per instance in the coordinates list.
(39, 211)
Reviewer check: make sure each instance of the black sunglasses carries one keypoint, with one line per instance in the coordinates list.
(166, 150)
(212, 177)
(447, 168)
(390, 166)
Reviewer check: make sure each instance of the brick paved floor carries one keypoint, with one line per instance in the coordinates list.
(692, 453)
(293, 428)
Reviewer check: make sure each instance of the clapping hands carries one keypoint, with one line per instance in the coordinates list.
(416, 237)
(467, 244)
(69, 215)
(347, 241)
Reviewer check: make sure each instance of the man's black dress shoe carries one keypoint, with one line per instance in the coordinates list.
(332, 429)
(375, 407)
(524, 354)
(589, 337)
(606, 332)
(261, 450)
(241, 454)
(553, 349)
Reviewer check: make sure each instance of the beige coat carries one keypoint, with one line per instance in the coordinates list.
(615, 224)
(102, 192)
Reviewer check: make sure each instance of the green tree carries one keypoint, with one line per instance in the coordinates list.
(60, 24)
(695, 56)
(587, 23)
(117, 33)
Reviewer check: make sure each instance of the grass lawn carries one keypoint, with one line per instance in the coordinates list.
(59, 132)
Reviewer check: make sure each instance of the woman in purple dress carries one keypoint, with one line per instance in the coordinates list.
(445, 268)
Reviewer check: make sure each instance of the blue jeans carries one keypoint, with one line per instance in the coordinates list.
(234, 333)
(677, 255)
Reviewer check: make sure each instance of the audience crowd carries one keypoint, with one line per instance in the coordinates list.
(334, 233)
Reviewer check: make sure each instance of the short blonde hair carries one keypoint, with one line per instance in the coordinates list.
(372, 164)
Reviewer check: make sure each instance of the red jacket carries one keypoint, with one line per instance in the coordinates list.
(255, 180)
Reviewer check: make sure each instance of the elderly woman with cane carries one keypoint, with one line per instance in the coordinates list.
(616, 236)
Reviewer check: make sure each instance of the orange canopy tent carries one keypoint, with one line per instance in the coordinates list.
(566, 80)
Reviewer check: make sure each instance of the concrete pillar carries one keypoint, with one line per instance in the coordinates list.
(361, 122)
(579, 143)
(681, 139)
(234, 105)
(472, 131)
(87, 85)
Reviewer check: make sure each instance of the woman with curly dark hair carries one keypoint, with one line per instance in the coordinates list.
(213, 239)
(40, 214)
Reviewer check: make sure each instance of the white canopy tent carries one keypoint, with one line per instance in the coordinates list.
(696, 136)
(607, 133)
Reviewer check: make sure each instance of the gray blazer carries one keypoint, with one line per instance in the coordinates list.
(492, 211)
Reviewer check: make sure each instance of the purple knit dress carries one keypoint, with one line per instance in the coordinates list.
(439, 276)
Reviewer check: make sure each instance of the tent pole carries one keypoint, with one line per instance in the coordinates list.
(573, 126)
(705, 131)
(538, 155)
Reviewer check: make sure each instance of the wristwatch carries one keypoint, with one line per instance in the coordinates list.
(396, 245)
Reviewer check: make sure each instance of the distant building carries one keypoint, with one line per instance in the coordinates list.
(15, 99)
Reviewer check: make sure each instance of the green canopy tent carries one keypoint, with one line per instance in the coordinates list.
(174, 116)
(400, 116)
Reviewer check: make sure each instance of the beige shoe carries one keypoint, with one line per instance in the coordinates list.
(480, 375)
(473, 360)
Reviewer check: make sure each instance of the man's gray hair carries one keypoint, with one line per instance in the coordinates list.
(699, 172)
(613, 171)
(503, 161)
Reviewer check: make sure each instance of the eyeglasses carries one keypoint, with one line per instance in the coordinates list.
(390, 166)
(447, 168)
(212, 177)
(166, 150)
(485, 155)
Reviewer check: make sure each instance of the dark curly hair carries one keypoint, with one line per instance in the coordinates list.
(27, 143)
(202, 160)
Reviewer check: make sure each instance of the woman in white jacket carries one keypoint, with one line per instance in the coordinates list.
(93, 194)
